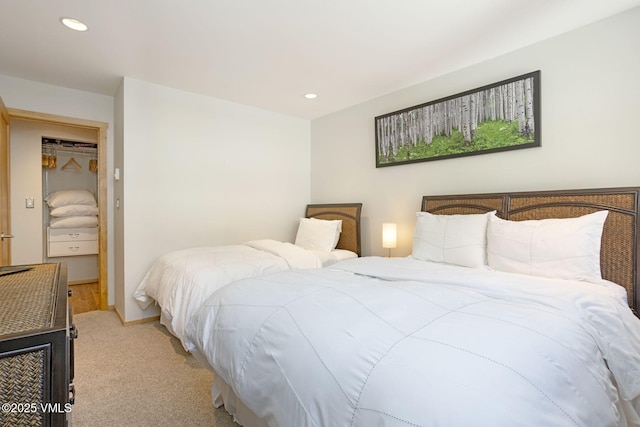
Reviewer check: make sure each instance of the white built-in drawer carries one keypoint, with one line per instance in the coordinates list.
(72, 241)
(72, 234)
(81, 247)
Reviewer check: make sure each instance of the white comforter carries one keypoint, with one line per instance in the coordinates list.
(180, 281)
(400, 342)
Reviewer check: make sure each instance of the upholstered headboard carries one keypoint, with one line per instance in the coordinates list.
(619, 248)
(349, 213)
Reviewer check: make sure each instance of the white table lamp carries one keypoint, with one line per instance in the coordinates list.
(389, 236)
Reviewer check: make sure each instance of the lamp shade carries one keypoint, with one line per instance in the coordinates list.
(389, 235)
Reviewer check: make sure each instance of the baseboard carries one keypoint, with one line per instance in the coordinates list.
(135, 322)
(83, 282)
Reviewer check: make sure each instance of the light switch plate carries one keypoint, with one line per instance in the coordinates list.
(29, 202)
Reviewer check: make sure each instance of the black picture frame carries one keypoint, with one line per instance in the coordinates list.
(497, 117)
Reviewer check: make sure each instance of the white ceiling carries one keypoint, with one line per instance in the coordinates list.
(269, 53)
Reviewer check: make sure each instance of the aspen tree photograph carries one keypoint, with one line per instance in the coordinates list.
(497, 117)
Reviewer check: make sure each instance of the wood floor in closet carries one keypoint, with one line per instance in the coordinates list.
(85, 297)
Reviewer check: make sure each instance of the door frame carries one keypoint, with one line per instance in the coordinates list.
(101, 132)
(5, 199)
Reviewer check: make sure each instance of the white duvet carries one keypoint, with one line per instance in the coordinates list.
(401, 342)
(180, 281)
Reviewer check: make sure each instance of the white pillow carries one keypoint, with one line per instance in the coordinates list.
(70, 197)
(74, 210)
(565, 248)
(451, 239)
(74, 222)
(318, 234)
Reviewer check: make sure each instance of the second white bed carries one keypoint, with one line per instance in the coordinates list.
(180, 281)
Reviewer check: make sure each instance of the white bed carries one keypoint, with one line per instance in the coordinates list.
(180, 281)
(435, 339)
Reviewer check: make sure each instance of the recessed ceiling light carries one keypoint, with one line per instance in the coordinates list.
(310, 95)
(74, 24)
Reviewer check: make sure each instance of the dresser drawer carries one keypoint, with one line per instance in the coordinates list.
(72, 234)
(82, 247)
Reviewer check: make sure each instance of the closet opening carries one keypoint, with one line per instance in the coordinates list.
(70, 211)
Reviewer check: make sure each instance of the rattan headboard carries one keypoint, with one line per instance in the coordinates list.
(349, 213)
(619, 249)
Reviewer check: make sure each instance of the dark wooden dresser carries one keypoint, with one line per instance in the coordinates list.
(36, 347)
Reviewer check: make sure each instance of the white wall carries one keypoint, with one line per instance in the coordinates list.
(39, 97)
(200, 171)
(590, 90)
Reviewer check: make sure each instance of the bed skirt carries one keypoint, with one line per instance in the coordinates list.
(223, 395)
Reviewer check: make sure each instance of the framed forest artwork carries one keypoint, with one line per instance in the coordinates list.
(497, 117)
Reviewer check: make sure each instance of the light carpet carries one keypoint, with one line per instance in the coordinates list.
(138, 375)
